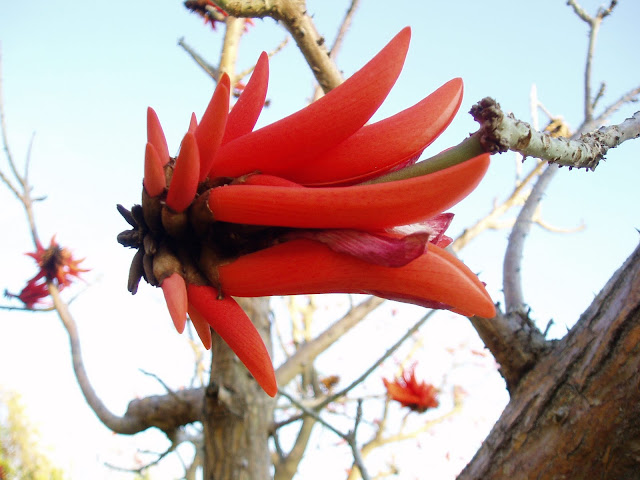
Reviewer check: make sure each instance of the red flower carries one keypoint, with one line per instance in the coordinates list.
(281, 210)
(56, 264)
(418, 396)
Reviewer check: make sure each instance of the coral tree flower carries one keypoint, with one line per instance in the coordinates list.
(56, 264)
(284, 210)
(405, 389)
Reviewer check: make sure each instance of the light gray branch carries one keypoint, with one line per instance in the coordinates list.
(500, 132)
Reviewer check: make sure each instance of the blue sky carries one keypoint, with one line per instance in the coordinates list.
(81, 75)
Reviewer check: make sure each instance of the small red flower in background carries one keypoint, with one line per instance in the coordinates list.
(418, 396)
(282, 210)
(56, 264)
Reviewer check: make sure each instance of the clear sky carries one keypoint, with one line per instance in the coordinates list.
(81, 75)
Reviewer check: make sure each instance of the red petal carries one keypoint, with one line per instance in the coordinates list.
(280, 147)
(175, 294)
(380, 147)
(235, 328)
(203, 329)
(301, 267)
(210, 131)
(154, 180)
(245, 112)
(361, 207)
(193, 123)
(184, 182)
(155, 136)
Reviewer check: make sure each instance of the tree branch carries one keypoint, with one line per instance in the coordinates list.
(293, 14)
(499, 133)
(166, 412)
(583, 395)
(304, 356)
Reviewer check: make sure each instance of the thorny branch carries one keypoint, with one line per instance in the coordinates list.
(500, 133)
(293, 15)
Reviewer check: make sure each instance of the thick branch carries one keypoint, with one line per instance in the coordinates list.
(576, 414)
(166, 412)
(293, 14)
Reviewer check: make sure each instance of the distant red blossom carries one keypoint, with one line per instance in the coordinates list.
(418, 396)
(57, 265)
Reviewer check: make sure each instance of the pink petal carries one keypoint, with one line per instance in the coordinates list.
(434, 227)
(370, 247)
(175, 294)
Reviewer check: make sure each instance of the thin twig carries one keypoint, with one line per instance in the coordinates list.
(378, 362)
(347, 437)
(206, 66)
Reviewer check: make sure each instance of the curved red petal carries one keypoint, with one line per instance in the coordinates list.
(436, 277)
(155, 136)
(362, 207)
(278, 148)
(203, 329)
(193, 123)
(175, 294)
(245, 112)
(184, 182)
(230, 322)
(210, 131)
(154, 181)
(380, 147)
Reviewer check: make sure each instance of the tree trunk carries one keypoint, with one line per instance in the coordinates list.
(576, 413)
(237, 413)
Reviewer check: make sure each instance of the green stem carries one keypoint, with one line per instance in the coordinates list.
(466, 150)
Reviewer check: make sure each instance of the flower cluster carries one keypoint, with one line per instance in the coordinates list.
(405, 389)
(290, 209)
(56, 264)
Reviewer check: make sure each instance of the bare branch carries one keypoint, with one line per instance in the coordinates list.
(164, 412)
(305, 355)
(378, 362)
(500, 133)
(350, 437)
(344, 28)
(207, 67)
(293, 14)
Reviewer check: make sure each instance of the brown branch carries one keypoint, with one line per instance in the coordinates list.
(305, 355)
(576, 414)
(287, 467)
(293, 14)
(166, 412)
(207, 67)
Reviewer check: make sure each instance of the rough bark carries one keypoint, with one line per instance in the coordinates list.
(576, 413)
(237, 414)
